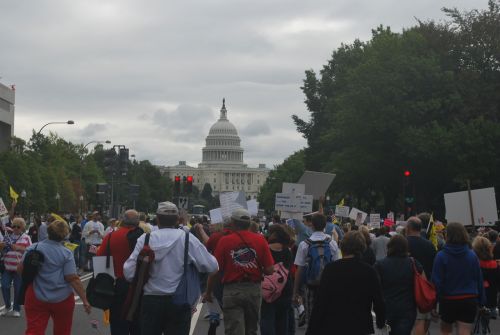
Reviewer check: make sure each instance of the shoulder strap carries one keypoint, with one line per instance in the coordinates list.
(146, 240)
(186, 251)
(108, 251)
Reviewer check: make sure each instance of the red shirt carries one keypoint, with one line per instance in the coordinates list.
(242, 255)
(120, 248)
(214, 239)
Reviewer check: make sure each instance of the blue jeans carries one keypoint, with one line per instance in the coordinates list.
(159, 315)
(7, 278)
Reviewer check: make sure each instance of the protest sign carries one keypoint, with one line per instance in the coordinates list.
(484, 207)
(230, 201)
(316, 183)
(3, 209)
(293, 188)
(253, 207)
(216, 216)
(374, 221)
(293, 203)
(358, 216)
(342, 211)
(390, 216)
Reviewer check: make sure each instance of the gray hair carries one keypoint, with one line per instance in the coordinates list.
(130, 218)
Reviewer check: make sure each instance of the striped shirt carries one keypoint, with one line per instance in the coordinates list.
(13, 257)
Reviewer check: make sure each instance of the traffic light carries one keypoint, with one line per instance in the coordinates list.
(101, 189)
(409, 194)
(177, 185)
(189, 184)
(109, 161)
(134, 191)
(123, 161)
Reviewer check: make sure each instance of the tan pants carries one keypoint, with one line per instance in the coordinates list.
(241, 307)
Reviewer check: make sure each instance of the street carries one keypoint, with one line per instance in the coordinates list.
(84, 324)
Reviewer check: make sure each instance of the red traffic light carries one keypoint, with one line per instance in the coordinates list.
(189, 179)
(407, 173)
(177, 179)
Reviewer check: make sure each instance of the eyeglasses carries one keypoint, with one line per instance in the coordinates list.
(16, 227)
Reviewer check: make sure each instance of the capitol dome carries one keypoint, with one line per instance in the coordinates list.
(222, 143)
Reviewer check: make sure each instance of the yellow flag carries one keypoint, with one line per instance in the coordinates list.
(341, 203)
(58, 218)
(70, 246)
(431, 232)
(13, 194)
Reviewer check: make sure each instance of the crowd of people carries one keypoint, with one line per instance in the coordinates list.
(327, 276)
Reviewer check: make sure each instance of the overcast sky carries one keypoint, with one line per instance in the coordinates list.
(151, 74)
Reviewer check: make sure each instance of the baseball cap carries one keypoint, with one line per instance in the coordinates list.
(167, 208)
(240, 214)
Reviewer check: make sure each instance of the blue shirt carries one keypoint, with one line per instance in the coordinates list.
(49, 284)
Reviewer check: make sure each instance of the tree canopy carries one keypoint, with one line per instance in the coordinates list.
(426, 99)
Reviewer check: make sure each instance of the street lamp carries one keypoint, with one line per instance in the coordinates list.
(23, 196)
(58, 198)
(45, 125)
(107, 142)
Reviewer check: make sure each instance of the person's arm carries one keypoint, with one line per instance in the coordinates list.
(76, 284)
(12, 210)
(297, 282)
(201, 233)
(212, 279)
(102, 248)
(203, 260)
(131, 263)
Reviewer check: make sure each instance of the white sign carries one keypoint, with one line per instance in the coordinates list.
(230, 201)
(3, 209)
(483, 204)
(358, 216)
(216, 216)
(293, 203)
(390, 216)
(253, 207)
(99, 265)
(374, 221)
(342, 211)
(293, 188)
(183, 202)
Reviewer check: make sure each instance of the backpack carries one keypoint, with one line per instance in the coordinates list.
(132, 237)
(32, 263)
(273, 285)
(101, 288)
(145, 259)
(319, 255)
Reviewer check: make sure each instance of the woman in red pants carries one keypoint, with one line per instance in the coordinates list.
(51, 294)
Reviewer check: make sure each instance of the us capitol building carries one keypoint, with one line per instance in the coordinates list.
(222, 163)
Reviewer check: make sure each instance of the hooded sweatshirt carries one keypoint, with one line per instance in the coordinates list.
(457, 275)
(168, 266)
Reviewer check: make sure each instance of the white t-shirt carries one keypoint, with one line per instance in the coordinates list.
(301, 257)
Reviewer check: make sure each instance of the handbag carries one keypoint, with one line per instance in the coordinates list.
(424, 291)
(188, 291)
(101, 288)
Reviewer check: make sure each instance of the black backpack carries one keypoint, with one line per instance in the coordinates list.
(101, 288)
(33, 261)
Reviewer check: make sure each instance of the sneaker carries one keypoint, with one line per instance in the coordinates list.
(15, 314)
(5, 311)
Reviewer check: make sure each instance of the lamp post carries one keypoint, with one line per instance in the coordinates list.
(81, 167)
(58, 122)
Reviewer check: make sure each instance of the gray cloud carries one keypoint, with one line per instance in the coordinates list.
(154, 75)
(256, 128)
(93, 129)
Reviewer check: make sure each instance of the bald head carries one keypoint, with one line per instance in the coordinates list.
(131, 218)
(413, 226)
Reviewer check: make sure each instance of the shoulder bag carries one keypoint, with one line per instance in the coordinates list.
(424, 291)
(101, 288)
(188, 291)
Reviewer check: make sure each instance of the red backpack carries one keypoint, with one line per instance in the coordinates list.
(273, 285)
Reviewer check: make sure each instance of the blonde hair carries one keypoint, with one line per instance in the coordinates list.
(20, 221)
(483, 248)
(57, 230)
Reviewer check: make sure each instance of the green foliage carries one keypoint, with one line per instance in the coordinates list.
(426, 99)
(49, 165)
(289, 172)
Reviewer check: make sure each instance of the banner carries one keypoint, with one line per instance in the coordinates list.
(3, 209)
(342, 211)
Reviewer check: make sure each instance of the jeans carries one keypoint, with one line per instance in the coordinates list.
(401, 326)
(241, 308)
(7, 278)
(160, 316)
(274, 318)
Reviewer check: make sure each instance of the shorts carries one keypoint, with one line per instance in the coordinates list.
(463, 310)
